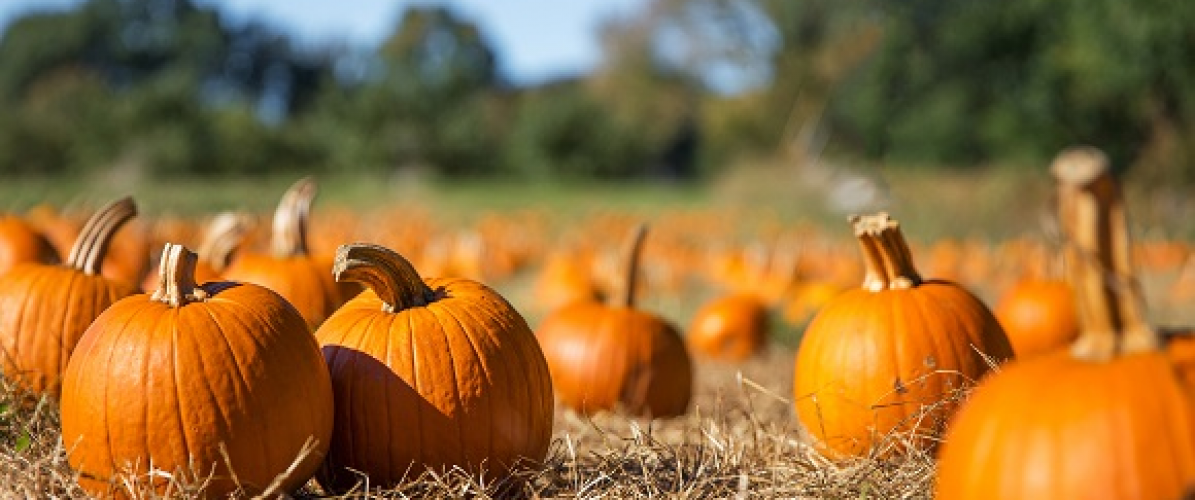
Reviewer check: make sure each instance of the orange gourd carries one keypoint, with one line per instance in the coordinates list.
(219, 379)
(429, 374)
(289, 268)
(1039, 316)
(603, 356)
(887, 356)
(729, 328)
(1106, 418)
(20, 242)
(44, 308)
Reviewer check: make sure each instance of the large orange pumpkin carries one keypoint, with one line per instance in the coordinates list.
(220, 379)
(429, 374)
(886, 357)
(1039, 316)
(603, 356)
(729, 328)
(1107, 418)
(20, 242)
(44, 308)
(289, 268)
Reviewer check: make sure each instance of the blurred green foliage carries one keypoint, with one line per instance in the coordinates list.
(166, 87)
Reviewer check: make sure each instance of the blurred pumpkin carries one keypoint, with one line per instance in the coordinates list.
(1039, 316)
(729, 328)
(1107, 418)
(604, 356)
(20, 242)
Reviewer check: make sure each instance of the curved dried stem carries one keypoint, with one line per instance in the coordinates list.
(887, 259)
(1099, 266)
(289, 237)
(176, 277)
(634, 247)
(387, 273)
(224, 234)
(87, 253)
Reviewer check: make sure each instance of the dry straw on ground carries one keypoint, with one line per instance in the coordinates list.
(741, 440)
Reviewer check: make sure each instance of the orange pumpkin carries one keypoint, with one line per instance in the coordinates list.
(729, 328)
(44, 308)
(885, 357)
(1038, 316)
(220, 379)
(602, 356)
(289, 269)
(20, 242)
(1107, 418)
(429, 374)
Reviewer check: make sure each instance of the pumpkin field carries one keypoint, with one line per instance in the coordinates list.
(745, 339)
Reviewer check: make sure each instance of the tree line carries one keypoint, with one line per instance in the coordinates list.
(172, 87)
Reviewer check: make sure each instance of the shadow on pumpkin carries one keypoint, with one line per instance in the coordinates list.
(387, 434)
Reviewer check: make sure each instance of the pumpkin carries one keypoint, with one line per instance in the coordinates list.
(220, 380)
(44, 308)
(1106, 418)
(730, 328)
(20, 242)
(886, 357)
(602, 356)
(1038, 315)
(429, 374)
(127, 258)
(289, 268)
(223, 235)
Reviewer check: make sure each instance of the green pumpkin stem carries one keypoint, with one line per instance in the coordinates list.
(387, 273)
(888, 262)
(1098, 257)
(289, 236)
(176, 277)
(90, 247)
(634, 248)
(224, 234)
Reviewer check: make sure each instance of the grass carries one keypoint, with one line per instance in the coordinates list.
(740, 440)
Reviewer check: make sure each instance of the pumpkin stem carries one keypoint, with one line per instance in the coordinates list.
(634, 247)
(1098, 253)
(176, 277)
(87, 253)
(390, 275)
(887, 259)
(224, 233)
(289, 238)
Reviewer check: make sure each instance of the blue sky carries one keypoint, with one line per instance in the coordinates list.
(536, 39)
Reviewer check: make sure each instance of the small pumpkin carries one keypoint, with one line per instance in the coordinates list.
(1106, 418)
(1039, 316)
(44, 308)
(289, 268)
(219, 379)
(429, 374)
(21, 242)
(603, 356)
(887, 356)
(223, 235)
(730, 328)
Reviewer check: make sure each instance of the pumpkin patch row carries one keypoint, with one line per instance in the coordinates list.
(272, 356)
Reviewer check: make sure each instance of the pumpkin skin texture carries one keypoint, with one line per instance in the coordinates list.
(171, 377)
(44, 308)
(1038, 316)
(1107, 417)
(429, 374)
(607, 356)
(20, 243)
(887, 357)
(289, 268)
(730, 328)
